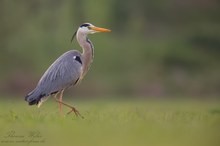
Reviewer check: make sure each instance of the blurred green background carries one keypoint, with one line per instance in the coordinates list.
(156, 48)
(146, 81)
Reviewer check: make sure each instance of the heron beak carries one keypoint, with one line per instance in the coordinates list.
(99, 29)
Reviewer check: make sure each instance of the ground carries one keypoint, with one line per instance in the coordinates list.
(112, 123)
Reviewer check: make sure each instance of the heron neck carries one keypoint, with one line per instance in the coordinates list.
(87, 55)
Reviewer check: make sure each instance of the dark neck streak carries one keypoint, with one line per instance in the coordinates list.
(87, 55)
(91, 45)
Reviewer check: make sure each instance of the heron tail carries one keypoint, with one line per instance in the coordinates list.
(34, 97)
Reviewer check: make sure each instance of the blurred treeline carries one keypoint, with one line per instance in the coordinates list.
(156, 48)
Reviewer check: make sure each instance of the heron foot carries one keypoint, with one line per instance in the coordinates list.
(76, 112)
(73, 109)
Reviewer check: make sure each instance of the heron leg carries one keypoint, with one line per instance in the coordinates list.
(60, 99)
(73, 109)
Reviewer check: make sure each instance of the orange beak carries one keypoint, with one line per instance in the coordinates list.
(99, 29)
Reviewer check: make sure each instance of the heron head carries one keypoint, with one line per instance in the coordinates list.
(88, 28)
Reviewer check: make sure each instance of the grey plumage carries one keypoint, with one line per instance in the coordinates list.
(63, 73)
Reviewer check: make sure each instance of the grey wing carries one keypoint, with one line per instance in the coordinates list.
(63, 73)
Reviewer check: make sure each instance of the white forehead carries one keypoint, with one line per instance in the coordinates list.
(84, 27)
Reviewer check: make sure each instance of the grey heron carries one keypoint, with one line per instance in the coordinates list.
(67, 70)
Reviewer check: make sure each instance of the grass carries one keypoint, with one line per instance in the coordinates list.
(112, 123)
